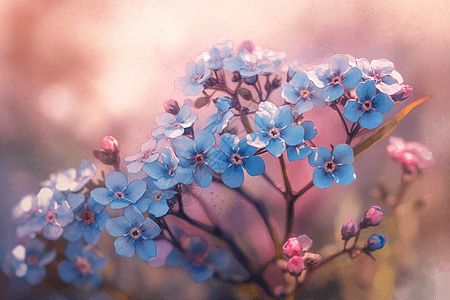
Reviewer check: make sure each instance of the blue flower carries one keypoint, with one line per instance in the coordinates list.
(155, 199)
(369, 107)
(195, 155)
(172, 127)
(72, 180)
(135, 234)
(29, 261)
(268, 59)
(119, 194)
(90, 220)
(197, 74)
(148, 154)
(245, 62)
(376, 242)
(336, 77)
(329, 166)
(302, 92)
(220, 120)
(387, 80)
(275, 129)
(169, 173)
(302, 150)
(83, 266)
(214, 57)
(236, 156)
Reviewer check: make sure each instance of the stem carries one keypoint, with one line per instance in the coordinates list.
(401, 191)
(304, 190)
(272, 183)
(334, 107)
(287, 184)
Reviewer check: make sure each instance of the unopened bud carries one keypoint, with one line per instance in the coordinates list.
(292, 248)
(251, 80)
(349, 230)
(247, 45)
(295, 265)
(311, 259)
(403, 94)
(110, 144)
(372, 217)
(375, 242)
(236, 76)
(171, 106)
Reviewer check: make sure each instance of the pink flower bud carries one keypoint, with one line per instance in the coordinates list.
(247, 46)
(172, 107)
(403, 94)
(311, 259)
(410, 155)
(349, 230)
(372, 217)
(110, 144)
(295, 265)
(292, 248)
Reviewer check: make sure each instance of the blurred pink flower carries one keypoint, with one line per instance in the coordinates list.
(292, 248)
(295, 265)
(410, 154)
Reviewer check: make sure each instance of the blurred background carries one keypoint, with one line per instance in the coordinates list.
(72, 72)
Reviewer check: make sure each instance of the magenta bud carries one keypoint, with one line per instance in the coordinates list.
(311, 259)
(295, 265)
(349, 230)
(292, 248)
(247, 46)
(110, 144)
(372, 217)
(403, 94)
(171, 106)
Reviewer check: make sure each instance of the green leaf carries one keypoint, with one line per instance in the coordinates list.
(388, 127)
(202, 101)
(246, 94)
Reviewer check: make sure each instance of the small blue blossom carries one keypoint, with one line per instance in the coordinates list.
(220, 120)
(72, 180)
(29, 261)
(332, 166)
(302, 150)
(90, 220)
(117, 193)
(387, 80)
(268, 59)
(169, 173)
(302, 92)
(376, 242)
(336, 77)
(245, 62)
(197, 75)
(369, 107)
(195, 155)
(135, 234)
(83, 266)
(155, 199)
(214, 57)
(275, 129)
(172, 126)
(148, 154)
(236, 156)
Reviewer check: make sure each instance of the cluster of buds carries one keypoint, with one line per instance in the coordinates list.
(296, 249)
(109, 155)
(412, 156)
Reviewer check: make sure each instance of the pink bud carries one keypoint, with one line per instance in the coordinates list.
(172, 107)
(295, 265)
(311, 259)
(247, 46)
(292, 248)
(110, 144)
(403, 94)
(372, 217)
(349, 230)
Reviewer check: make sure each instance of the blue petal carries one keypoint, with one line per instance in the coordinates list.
(175, 259)
(181, 82)
(135, 190)
(300, 80)
(310, 130)
(124, 246)
(52, 231)
(332, 91)
(142, 204)
(298, 152)
(67, 271)
(342, 154)
(338, 64)
(233, 176)
(133, 215)
(290, 93)
(319, 157)
(382, 66)
(263, 121)
(168, 181)
(98, 263)
(245, 149)
(118, 226)
(224, 122)
(371, 119)
(218, 162)
(382, 103)
(119, 203)
(184, 146)
(64, 214)
(150, 229)
(116, 181)
(199, 274)
(258, 139)
(283, 117)
(229, 143)
(204, 140)
(321, 76)
(146, 249)
(75, 200)
(155, 170)
(100, 219)
(233, 64)
(322, 179)
(189, 121)
(165, 120)
(202, 175)
(293, 135)
(183, 175)
(221, 259)
(173, 132)
(94, 206)
(316, 98)
(389, 89)
(353, 110)
(193, 89)
(276, 146)
(92, 235)
(254, 165)
(158, 208)
(191, 69)
(184, 113)
(169, 158)
(35, 275)
(74, 231)
(73, 250)
(303, 106)
(47, 258)
(351, 78)
(344, 174)
(366, 90)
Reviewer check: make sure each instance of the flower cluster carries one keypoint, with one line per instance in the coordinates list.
(296, 249)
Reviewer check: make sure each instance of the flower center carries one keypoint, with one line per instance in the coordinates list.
(135, 232)
(176, 124)
(196, 77)
(83, 266)
(367, 105)
(118, 194)
(329, 166)
(198, 158)
(50, 217)
(88, 217)
(305, 93)
(171, 172)
(32, 259)
(158, 196)
(274, 132)
(376, 77)
(336, 80)
(236, 159)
